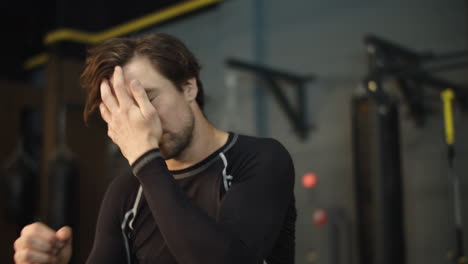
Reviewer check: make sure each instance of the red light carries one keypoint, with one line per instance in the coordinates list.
(320, 217)
(309, 180)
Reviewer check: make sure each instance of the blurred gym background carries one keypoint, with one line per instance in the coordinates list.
(369, 97)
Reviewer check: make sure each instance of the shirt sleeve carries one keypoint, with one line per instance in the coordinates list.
(250, 217)
(108, 244)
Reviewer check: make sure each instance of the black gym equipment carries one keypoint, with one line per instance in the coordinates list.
(21, 175)
(376, 149)
(378, 183)
(272, 77)
(413, 71)
(63, 182)
(447, 96)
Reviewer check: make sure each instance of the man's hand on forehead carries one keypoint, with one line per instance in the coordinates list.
(133, 122)
(126, 84)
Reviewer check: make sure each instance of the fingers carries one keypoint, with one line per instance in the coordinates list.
(30, 256)
(64, 234)
(105, 113)
(39, 231)
(37, 244)
(118, 82)
(146, 108)
(65, 237)
(107, 97)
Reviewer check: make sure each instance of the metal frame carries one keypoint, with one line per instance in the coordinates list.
(297, 115)
(407, 66)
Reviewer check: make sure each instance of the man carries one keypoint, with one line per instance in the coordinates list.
(197, 194)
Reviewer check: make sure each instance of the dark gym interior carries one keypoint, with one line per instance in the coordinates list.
(369, 97)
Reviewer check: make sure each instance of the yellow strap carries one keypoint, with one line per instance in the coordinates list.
(35, 61)
(447, 96)
(73, 35)
(66, 34)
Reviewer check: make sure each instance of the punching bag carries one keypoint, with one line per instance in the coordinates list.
(378, 180)
(63, 182)
(20, 174)
(21, 188)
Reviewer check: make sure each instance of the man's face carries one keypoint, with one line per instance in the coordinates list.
(177, 119)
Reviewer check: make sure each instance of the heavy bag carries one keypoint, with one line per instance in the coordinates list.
(21, 182)
(63, 191)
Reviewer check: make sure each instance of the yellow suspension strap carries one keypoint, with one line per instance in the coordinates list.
(447, 97)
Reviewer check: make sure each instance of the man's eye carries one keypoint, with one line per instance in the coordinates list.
(152, 95)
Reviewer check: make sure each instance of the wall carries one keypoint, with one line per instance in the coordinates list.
(324, 37)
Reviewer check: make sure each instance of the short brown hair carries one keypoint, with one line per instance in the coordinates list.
(169, 56)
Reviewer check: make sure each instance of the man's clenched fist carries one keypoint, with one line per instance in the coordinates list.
(38, 243)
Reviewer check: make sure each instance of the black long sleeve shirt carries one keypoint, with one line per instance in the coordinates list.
(187, 217)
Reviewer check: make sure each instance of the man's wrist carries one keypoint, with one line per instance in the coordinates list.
(140, 149)
(133, 158)
(144, 159)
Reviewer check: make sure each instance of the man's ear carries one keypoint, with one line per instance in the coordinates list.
(190, 89)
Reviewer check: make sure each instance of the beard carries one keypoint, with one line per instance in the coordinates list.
(173, 143)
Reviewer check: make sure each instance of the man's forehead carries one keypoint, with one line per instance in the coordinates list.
(138, 67)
